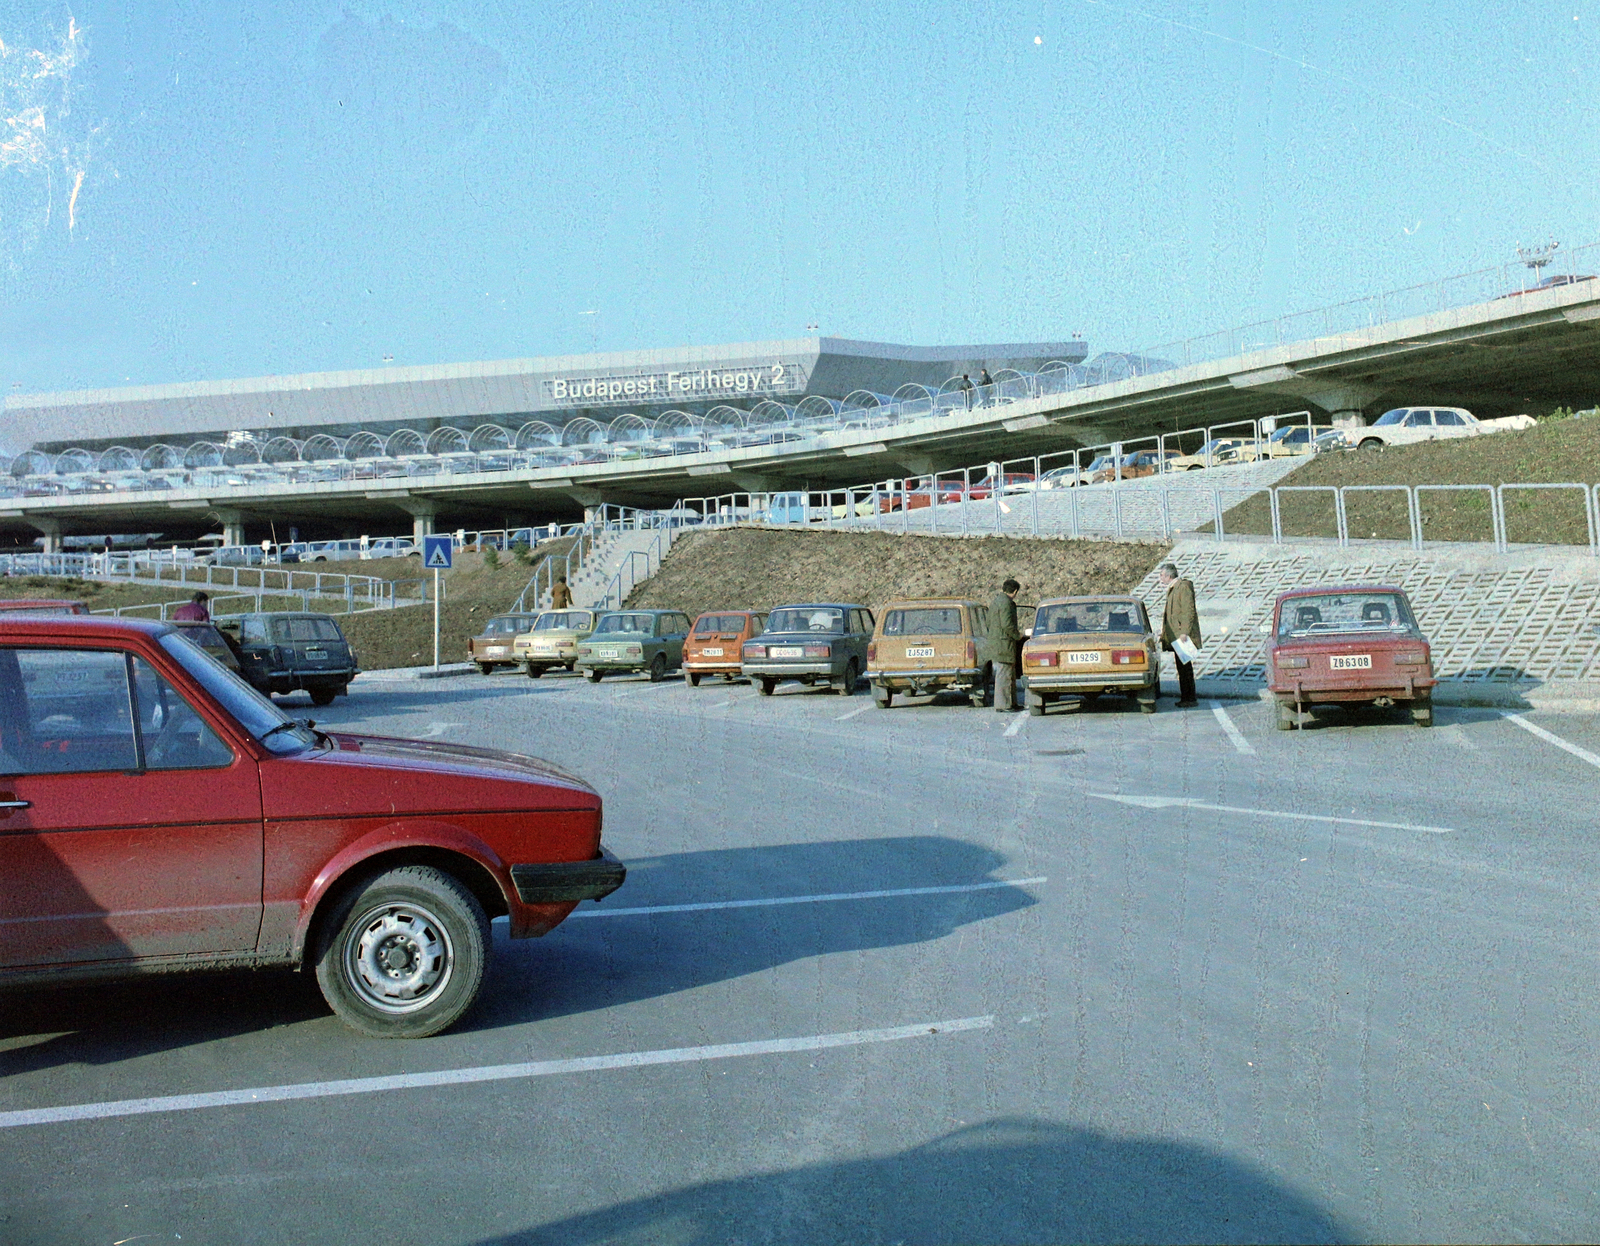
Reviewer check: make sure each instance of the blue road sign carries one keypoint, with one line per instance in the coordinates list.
(437, 552)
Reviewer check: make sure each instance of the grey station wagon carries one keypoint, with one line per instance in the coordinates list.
(823, 643)
(634, 640)
(284, 652)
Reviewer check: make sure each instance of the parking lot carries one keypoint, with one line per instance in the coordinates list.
(925, 974)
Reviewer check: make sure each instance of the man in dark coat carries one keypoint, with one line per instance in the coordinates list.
(1180, 620)
(1004, 640)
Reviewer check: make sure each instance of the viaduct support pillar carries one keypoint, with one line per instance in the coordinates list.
(50, 529)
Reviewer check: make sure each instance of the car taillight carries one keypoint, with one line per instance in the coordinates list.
(1410, 659)
(755, 651)
(872, 651)
(972, 653)
(1043, 659)
(819, 651)
(1127, 657)
(1292, 662)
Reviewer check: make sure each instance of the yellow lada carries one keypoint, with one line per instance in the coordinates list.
(924, 645)
(1083, 646)
(553, 640)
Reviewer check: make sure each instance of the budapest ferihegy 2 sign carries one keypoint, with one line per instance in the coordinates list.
(756, 380)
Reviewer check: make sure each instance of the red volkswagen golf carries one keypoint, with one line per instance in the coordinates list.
(157, 813)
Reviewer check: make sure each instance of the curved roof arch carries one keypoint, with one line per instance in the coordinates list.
(281, 450)
(118, 459)
(723, 416)
(490, 437)
(769, 414)
(404, 443)
(364, 445)
(202, 454)
(630, 427)
(446, 440)
(815, 409)
(74, 461)
(321, 448)
(33, 463)
(537, 433)
(583, 432)
(160, 457)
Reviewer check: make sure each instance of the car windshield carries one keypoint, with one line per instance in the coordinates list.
(1345, 612)
(565, 620)
(1215, 446)
(613, 623)
(1067, 618)
(807, 619)
(252, 710)
(204, 635)
(709, 623)
(923, 621)
(1391, 417)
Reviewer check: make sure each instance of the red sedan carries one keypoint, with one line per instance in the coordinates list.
(1348, 646)
(157, 814)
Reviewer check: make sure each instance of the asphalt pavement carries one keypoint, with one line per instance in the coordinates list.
(930, 974)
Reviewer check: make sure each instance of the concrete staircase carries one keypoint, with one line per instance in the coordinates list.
(613, 554)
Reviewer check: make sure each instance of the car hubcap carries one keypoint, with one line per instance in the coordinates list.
(399, 957)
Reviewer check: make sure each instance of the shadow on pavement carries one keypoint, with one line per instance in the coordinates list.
(594, 962)
(1015, 1180)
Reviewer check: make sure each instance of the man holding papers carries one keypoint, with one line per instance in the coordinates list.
(1180, 630)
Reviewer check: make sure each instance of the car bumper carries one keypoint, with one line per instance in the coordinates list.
(1088, 683)
(1304, 691)
(711, 666)
(792, 670)
(923, 678)
(567, 882)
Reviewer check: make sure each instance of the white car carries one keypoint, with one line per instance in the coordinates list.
(1405, 425)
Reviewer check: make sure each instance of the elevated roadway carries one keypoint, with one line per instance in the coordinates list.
(1528, 351)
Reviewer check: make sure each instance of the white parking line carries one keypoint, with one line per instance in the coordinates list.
(484, 1073)
(1550, 737)
(720, 705)
(860, 709)
(1174, 802)
(1016, 725)
(1239, 742)
(644, 687)
(818, 899)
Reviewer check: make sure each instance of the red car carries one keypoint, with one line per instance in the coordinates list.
(44, 605)
(1348, 646)
(157, 813)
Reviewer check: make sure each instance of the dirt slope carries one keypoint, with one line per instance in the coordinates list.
(760, 567)
(1554, 451)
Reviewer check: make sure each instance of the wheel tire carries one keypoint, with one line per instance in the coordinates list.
(535, 671)
(852, 673)
(1284, 716)
(1035, 704)
(322, 696)
(1371, 446)
(411, 910)
(485, 668)
(694, 679)
(1147, 705)
(883, 698)
(765, 686)
(1422, 713)
(658, 668)
(594, 676)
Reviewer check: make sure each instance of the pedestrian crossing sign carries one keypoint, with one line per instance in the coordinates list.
(437, 552)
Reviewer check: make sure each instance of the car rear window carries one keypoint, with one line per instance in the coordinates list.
(291, 630)
(627, 623)
(1089, 616)
(559, 620)
(807, 619)
(923, 621)
(505, 625)
(709, 623)
(1344, 612)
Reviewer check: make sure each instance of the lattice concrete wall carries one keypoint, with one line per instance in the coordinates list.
(1527, 616)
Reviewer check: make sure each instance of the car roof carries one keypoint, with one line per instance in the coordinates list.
(40, 603)
(1329, 589)
(930, 601)
(98, 627)
(1088, 597)
(283, 614)
(730, 610)
(817, 605)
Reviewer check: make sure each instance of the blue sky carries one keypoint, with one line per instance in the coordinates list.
(289, 187)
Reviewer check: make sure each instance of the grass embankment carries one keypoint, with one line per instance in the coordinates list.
(382, 638)
(760, 568)
(1556, 451)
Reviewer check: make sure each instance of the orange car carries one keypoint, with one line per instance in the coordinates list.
(716, 642)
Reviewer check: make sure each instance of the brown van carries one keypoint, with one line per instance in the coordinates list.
(717, 640)
(924, 645)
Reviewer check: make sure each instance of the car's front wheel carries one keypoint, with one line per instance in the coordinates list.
(323, 696)
(534, 671)
(658, 668)
(852, 673)
(594, 676)
(694, 679)
(402, 955)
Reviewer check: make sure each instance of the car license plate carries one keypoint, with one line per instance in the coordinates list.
(709, 652)
(787, 651)
(1084, 657)
(919, 651)
(1350, 661)
(495, 651)
(610, 655)
(317, 655)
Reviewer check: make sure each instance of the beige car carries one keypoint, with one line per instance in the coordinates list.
(553, 640)
(924, 645)
(1083, 646)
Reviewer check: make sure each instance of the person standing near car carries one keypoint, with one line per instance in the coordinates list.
(195, 610)
(1004, 640)
(560, 595)
(1180, 621)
